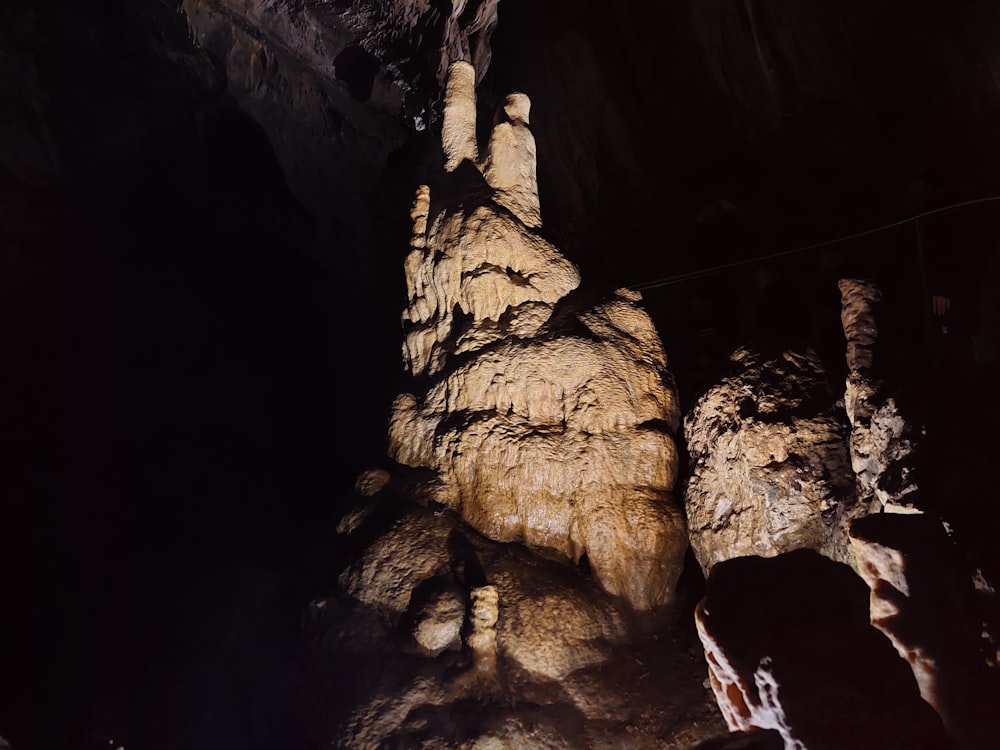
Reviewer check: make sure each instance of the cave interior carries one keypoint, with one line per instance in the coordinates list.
(203, 235)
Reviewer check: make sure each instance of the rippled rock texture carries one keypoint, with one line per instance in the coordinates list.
(547, 421)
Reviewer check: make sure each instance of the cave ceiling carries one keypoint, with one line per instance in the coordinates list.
(806, 120)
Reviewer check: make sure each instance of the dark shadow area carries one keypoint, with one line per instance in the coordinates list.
(357, 69)
(167, 418)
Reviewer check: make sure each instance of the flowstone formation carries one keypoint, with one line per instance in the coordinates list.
(545, 421)
(509, 573)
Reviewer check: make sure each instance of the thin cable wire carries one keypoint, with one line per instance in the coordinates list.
(711, 271)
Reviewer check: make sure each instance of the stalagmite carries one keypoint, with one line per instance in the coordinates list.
(547, 422)
(482, 639)
(458, 134)
(880, 442)
(510, 162)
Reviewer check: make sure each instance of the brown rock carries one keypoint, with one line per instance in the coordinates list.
(757, 739)
(770, 470)
(414, 550)
(439, 622)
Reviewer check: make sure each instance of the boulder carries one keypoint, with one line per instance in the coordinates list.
(770, 468)
(790, 648)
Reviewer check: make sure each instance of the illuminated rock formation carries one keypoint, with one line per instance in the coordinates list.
(790, 648)
(770, 469)
(547, 421)
(543, 658)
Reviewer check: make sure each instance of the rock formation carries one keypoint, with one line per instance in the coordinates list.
(922, 596)
(880, 443)
(546, 421)
(510, 570)
(790, 648)
(440, 637)
(924, 602)
(770, 470)
(755, 739)
(744, 502)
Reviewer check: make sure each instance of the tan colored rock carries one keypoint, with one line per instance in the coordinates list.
(565, 445)
(509, 167)
(858, 298)
(551, 632)
(517, 733)
(483, 616)
(411, 552)
(439, 622)
(548, 423)
(483, 266)
(547, 659)
(458, 132)
(770, 469)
